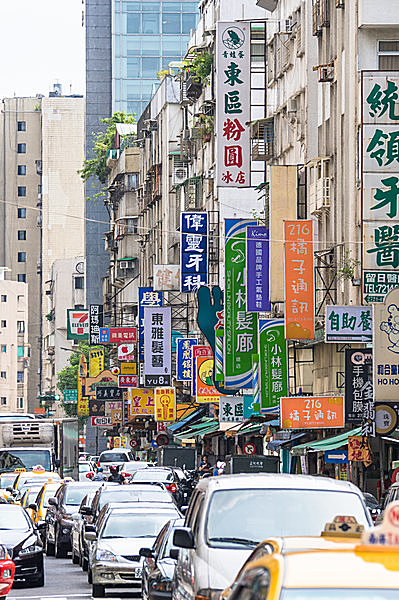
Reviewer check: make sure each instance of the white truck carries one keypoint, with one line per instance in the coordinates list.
(52, 443)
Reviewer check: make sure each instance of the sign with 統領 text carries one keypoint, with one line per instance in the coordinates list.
(165, 404)
(77, 324)
(194, 250)
(157, 340)
(258, 289)
(184, 362)
(312, 412)
(147, 297)
(349, 324)
(233, 86)
(386, 349)
(96, 321)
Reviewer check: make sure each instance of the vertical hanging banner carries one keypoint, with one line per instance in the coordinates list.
(386, 348)
(299, 280)
(147, 297)
(96, 320)
(273, 367)
(184, 360)
(240, 326)
(157, 346)
(96, 361)
(204, 389)
(233, 103)
(358, 383)
(165, 404)
(194, 250)
(83, 401)
(258, 288)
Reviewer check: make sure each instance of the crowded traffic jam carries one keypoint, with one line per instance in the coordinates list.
(165, 533)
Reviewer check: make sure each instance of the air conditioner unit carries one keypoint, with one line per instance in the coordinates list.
(180, 172)
(326, 74)
(126, 264)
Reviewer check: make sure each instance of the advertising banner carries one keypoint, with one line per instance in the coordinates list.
(109, 393)
(299, 280)
(377, 284)
(167, 277)
(128, 368)
(204, 388)
(77, 324)
(312, 412)
(233, 85)
(386, 349)
(349, 324)
(157, 341)
(184, 360)
(194, 250)
(258, 289)
(83, 402)
(240, 326)
(96, 320)
(165, 404)
(117, 335)
(358, 383)
(96, 361)
(141, 402)
(273, 363)
(147, 297)
(231, 409)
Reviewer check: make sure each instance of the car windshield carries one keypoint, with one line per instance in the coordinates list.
(85, 468)
(152, 475)
(32, 495)
(111, 457)
(135, 525)
(13, 518)
(74, 495)
(7, 481)
(24, 459)
(338, 594)
(244, 517)
(131, 495)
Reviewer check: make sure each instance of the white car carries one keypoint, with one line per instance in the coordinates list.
(229, 515)
(85, 467)
(117, 457)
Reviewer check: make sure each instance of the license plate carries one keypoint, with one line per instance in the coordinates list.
(137, 573)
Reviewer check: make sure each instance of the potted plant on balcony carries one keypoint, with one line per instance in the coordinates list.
(204, 124)
(198, 69)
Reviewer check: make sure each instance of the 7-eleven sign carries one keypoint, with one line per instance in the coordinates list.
(77, 324)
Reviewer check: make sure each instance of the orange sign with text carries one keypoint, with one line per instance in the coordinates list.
(312, 412)
(299, 280)
(165, 404)
(359, 449)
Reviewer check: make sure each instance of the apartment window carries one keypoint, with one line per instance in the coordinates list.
(20, 326)
(3, 375)
(4, 348)
(39, 188)
(21, 149)
(21, 169)
(20, 376)
(388, 55)
(21, 125)
(4, 323)
(20, 351)
(79, 283)
(133, 180)
(79, 306)
(22, 213)
(21, 256)
(21, 277)
(22, 234)
(20, 402)
(21, 191)
(3, 401)
(3, 298)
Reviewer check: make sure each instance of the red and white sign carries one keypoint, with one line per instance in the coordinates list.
(133, 443)
(162, 425)
(101, 421)
(162, 440)
(127, 380)
(126, 352)
(115, 335)
(249, 449)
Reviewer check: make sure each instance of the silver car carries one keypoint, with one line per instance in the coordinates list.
(114, 552)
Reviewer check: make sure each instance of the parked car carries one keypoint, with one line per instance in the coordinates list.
(373, 505)
(158, 565)
(85, 469)
(114, 554)
(165, 475)
(116, 457)
(7, 572)
(59, 515)
(21, 538)
(229, 515)
(78, 542)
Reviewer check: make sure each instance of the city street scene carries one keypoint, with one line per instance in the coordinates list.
(199, 300)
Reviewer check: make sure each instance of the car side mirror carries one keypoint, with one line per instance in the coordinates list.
(41, 525)
(183, 509)
(183, 538)
(146, 552)
(53, 502)
(86, 510)
(33, 507)
(11, 490)
(90, 536)
(174, 553)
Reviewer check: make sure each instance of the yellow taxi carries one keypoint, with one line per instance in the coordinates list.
(343, 564)
(38, 474)
(47, 491)
(29, 497)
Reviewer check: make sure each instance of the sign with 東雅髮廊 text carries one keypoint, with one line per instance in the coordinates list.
(194, 250)
(184, 358)
(350, 324)
(147, 297)
(258, 272)
(233, 104)
(157, 341)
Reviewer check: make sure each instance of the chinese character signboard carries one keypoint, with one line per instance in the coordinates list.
(77, 324)
(167, 277)
(126, 352)
(147, 297)
(359, 450)
(380, 178)
(386, 348)
(96, 320)
(141, 402)
(83, 401)
(194, 250)
(70, 396)
(184, 361)
(109, 393)
(233, 85)
(96, 361)
(349, 324)
(127, 381)
(157, 341)
(358, 383)
(299, 280)
(231, 408)
(377, 284)
(312, 412)
(240, 326)
(203, 370)
(165, 404)
(258, 269)
(117, 335)
(273, 367)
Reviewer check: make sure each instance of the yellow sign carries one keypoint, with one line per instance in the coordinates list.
(83, 406)
(165, 404)
(128, 368)
(141, 402)
(117, 442)
(96, 361)
(123, 441)
(116, 416)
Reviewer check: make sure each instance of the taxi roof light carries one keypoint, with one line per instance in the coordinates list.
(386, 534)
(343, 526)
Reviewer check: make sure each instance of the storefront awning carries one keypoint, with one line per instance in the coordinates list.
(179, 424)
(327, 444)
(207, 425)
(275, 445)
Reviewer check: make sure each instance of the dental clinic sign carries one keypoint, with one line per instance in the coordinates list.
(233, 103)
(386, 349)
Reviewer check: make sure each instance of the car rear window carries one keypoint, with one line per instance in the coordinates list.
(152, 475)
(111, 457)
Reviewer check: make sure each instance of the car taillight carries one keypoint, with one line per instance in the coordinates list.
(171, 487)
(126, 474)
(90, 475)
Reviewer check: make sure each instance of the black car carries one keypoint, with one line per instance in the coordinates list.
(164, 475)
(159, 566)
(61, 509)
(23, 543)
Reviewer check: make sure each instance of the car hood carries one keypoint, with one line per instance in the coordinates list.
(14, 539)
(224, 565)
(126, 546)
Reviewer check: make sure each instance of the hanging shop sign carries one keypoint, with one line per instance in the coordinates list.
(349, 324)
(194, 250)
(359, 449)
(101, 421)
(205, 391)
(96, 361)
(312, 412)
(141, 402)
(167, 277)
(147, 297)
(96, 321)
(126, 352)
(248, 404)
(157, 343)
(273, 365)
(109, 393)
(299, 280)
(386, 348)
(386, 418)
(116, 335)
(240, 326)
(358, 383)
(231, 408)
(83, 401)
(184, 358)
(258, 289)
(96, 408)
(233, 104)
(128, 368)
(165, 404)
(77, 324)
(127, 381)
(377, 284)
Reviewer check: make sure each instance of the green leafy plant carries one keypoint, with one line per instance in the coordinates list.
(199, 67)
(348, 266)
(162, 74)
(205, 124)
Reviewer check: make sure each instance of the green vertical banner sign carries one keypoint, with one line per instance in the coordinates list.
(240, 326)
(273, 369)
